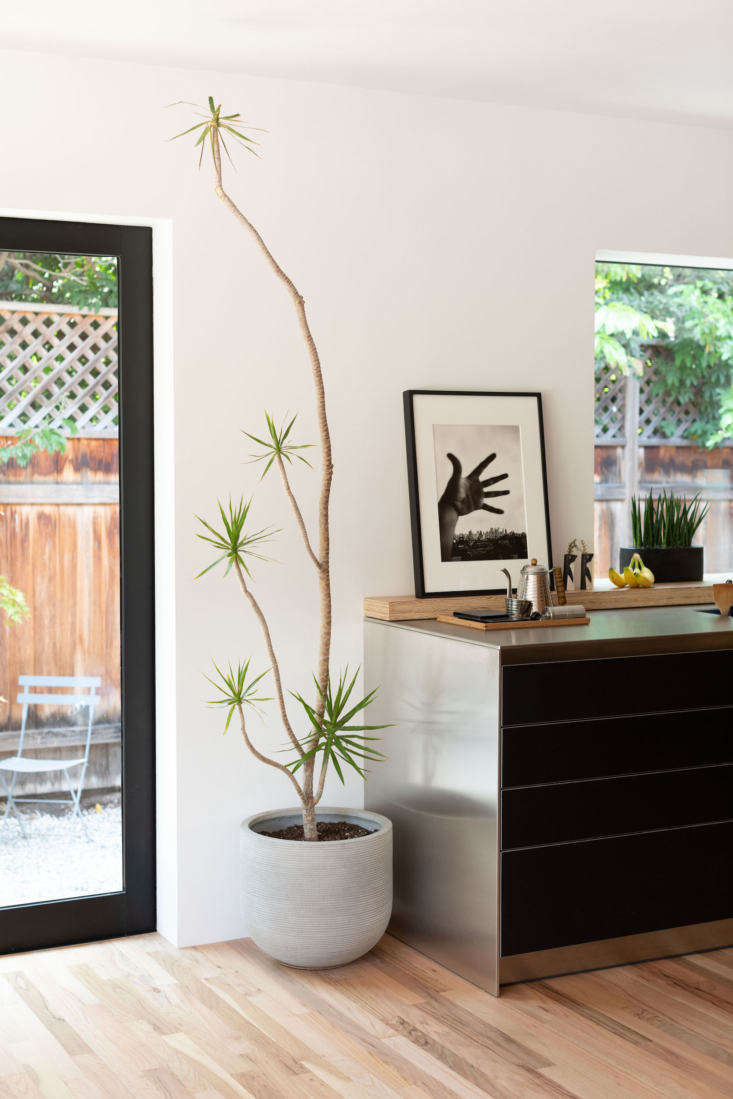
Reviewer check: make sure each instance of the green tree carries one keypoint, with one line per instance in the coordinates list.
(87, 282)
(32, 440)
(12, 601)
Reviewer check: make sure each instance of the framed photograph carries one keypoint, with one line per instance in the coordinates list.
(478, 488)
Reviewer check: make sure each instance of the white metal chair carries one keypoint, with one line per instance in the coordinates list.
(82, 694)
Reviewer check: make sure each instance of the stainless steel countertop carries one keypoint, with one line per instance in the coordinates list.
(610, 633)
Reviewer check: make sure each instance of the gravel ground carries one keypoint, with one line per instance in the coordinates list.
(57, 859)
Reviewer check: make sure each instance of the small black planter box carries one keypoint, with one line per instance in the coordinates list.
(676, 564)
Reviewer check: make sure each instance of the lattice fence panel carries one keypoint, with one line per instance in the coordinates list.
(610, 406)
(56, 367)
(662, 418)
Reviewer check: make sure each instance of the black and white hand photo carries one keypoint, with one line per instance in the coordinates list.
(481, 504)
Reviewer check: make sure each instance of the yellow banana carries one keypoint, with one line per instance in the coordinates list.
(644, 576)
(616, 578)
(630, 577)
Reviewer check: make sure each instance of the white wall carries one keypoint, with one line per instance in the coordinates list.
(438, 243)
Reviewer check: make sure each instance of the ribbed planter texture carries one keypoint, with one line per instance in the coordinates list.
(674, 564)
(316, 905)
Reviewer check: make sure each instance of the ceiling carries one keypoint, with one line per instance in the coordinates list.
(666, 59)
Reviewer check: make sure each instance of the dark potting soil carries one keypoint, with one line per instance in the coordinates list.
(327, 830)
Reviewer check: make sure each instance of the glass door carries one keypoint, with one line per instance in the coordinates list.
(77, 845)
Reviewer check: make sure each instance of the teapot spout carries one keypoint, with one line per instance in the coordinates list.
(508, 583)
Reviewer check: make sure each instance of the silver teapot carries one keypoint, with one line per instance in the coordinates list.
(534, 585)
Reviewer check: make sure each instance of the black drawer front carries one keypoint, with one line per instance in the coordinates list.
(580, 892)
(568, 690)
(615, 746)
(587, 810)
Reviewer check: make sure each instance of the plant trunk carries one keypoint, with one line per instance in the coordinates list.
(310, 830)
(310, 798)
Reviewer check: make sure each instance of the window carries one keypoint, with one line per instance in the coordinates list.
(663, 397)
(76, 582)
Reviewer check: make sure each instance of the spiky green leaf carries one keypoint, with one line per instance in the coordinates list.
(236, 545)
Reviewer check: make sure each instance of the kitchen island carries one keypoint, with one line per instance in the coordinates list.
(562, 799)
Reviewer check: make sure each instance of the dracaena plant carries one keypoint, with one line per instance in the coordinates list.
(334, 732)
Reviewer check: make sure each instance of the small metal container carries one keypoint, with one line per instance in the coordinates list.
(518, 608)
(515, 608)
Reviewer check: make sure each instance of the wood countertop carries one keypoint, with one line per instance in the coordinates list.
(397, 608)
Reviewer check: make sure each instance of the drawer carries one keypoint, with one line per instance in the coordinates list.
(615, 746)
(573, 689)
(584, 810)
(601, 889)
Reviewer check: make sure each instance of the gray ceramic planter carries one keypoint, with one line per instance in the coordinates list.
(316, 905)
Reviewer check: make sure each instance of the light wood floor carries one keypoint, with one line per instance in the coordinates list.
(136, 1017)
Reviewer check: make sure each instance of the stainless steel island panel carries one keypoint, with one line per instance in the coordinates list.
(440, 788)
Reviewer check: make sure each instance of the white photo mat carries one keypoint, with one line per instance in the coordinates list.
(479, 424)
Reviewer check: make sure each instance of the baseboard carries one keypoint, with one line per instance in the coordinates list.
(621, 951)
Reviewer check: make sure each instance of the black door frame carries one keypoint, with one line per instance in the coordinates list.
(83, 919)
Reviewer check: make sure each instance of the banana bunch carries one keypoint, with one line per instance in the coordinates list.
(635, 575)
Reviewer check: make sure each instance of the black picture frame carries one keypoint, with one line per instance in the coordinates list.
(133, 909)
(408, 397)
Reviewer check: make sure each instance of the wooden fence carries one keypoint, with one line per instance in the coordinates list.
(59, 516)
(641, 446)
(59, 544)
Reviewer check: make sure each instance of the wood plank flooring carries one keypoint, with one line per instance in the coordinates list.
(136, 1017)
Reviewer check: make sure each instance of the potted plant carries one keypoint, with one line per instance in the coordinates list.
(317, 881)
(662, 529)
